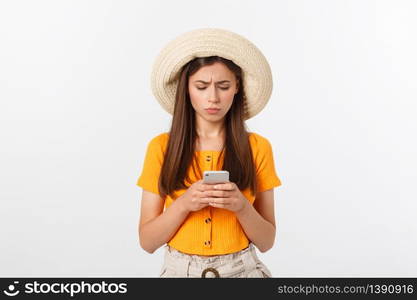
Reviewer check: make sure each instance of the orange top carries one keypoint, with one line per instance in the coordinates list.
(223, 234)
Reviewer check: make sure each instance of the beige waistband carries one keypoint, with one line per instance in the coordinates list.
(207, 258)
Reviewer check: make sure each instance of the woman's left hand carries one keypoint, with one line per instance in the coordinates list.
(226, 195)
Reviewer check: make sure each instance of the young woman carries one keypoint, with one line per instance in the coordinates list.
(211, 81)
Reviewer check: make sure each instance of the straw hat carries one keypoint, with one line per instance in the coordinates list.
(257, 76)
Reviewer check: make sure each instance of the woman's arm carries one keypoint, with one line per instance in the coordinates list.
(258, 220)
(156, 226)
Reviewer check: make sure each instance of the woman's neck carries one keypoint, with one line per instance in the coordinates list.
(211, 133)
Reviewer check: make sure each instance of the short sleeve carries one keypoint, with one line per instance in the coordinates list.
(266, 175)
(152, 164)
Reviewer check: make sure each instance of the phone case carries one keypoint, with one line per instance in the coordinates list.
(212, 177)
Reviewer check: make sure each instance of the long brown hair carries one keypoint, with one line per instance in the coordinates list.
(179, 154)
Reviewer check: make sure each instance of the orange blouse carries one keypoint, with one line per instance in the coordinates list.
(211, 230)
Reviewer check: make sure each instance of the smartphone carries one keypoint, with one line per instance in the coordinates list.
(212, 177)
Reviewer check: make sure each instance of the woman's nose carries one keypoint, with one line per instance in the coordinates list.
(213, 97)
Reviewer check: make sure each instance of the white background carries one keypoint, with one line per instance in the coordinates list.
(77, 111)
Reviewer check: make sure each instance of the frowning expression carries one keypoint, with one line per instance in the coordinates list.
(212, 86)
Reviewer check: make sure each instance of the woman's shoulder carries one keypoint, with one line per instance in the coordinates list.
(159, 140)
(161, 137)
(257, 140)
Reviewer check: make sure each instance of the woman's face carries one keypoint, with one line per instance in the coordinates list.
(212, 86)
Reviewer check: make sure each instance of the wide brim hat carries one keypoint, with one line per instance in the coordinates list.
(257, 75)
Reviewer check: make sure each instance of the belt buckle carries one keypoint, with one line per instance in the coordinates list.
(216, 273)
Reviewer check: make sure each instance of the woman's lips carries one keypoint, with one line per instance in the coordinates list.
(212, 111)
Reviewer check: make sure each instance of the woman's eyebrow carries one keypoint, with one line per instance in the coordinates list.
(205, 82)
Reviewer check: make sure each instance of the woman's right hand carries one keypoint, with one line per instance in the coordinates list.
(190, 200)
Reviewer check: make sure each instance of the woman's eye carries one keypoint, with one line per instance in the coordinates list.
(222, 88)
